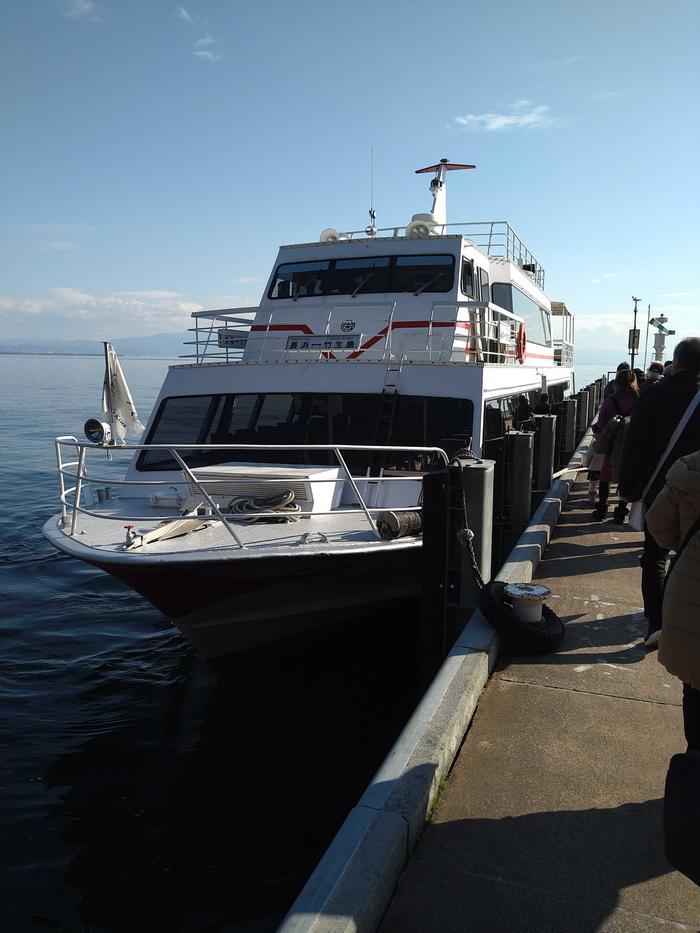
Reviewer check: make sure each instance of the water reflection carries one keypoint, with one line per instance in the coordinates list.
(211, 809)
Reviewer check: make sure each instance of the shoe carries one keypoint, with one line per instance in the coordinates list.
(600, 512)
(652, 640)
(592, 496)
(620, 514)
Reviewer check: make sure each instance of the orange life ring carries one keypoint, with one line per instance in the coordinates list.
(521, 344)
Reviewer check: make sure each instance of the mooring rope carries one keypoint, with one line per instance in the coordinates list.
(277, 508)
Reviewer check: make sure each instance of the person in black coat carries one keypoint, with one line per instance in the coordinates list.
(655, 419)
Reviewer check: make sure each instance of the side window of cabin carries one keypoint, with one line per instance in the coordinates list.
(536, 318)
(493, 420)
(484, 276)
(468, 278)
(503, 295)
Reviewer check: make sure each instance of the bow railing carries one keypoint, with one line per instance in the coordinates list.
(194, 494)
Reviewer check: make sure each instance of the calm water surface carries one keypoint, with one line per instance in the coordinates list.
(140, 789)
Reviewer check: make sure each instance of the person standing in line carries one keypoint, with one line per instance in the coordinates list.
(673, 520)
(655, 374)
(543, 406)
(610, 387)
(651, 428)
(621, 402)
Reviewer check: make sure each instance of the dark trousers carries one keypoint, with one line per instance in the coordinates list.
(691, 717)
(604, 495)
(653, 563)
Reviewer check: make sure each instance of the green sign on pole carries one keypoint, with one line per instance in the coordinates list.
(664, 330)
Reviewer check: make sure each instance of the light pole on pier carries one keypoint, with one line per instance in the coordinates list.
(634, 334)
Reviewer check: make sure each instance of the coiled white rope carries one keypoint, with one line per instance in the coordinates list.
(278, 508)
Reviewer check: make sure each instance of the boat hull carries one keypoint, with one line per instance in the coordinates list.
(223, 607)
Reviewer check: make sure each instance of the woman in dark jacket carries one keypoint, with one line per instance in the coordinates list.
(616, 407)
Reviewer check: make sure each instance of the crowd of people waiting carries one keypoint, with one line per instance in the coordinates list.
(647, 440)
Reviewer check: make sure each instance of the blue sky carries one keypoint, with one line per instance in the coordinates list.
(155, 154)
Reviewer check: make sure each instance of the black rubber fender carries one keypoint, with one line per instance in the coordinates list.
(532, 637)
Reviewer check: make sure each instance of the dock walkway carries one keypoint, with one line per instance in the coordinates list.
(551, 817)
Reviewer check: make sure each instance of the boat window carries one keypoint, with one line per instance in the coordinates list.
(423, 273)
(360, 276)
(300, 279)
(510, 298)
(305, 418)
(363, 276)
(468, 278)
(484, 278)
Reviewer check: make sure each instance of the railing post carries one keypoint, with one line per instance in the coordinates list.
(61, 483)
(78, 489)
(357, 492)
(205, 495)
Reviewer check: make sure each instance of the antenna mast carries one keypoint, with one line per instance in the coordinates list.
(371, 230)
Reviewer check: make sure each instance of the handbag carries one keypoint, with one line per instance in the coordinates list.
(636, 516)
(682, 814)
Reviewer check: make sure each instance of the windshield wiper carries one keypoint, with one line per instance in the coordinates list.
(362, 283)
(429, 283)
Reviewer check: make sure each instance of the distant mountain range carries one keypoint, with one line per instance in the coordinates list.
(155, 346)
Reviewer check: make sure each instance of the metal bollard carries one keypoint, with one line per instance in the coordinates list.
(521, 447)
(477, 481)
(569, 409)
(583, 419)
(544, 466)
(527, 600)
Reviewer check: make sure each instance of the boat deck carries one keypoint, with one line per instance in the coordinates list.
(552, 816)
(105, 532)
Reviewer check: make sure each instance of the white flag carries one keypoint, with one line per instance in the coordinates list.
(117, 402)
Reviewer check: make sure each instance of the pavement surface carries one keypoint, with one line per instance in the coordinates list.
(551, 819)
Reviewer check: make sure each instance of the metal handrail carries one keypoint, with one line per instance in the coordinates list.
(266, 344)
(190, 477)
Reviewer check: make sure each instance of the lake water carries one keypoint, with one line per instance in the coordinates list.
(140, 790)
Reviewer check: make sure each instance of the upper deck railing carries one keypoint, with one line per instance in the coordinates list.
(493, 237)
(462, 332)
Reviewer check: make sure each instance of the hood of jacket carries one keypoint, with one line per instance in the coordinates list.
(685, 475)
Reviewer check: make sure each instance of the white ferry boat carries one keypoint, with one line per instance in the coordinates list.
(250, 510)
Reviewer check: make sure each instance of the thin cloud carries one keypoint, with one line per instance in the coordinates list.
(607, 275)
(182, 14)
(58, 229)
(607, 95)
(523, 115)
(145, 312)
(151, 294)
(58, 246)
(79, 9)
(250, 280)
(200, 49)
(555, 63)
(207, 56)
(147, 309)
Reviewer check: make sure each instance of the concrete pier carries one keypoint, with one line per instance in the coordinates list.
(551, 816)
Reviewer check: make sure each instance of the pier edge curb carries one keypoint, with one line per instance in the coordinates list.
(352, 885)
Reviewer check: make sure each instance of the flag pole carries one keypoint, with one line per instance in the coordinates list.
(108, 388)
(646, 341)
